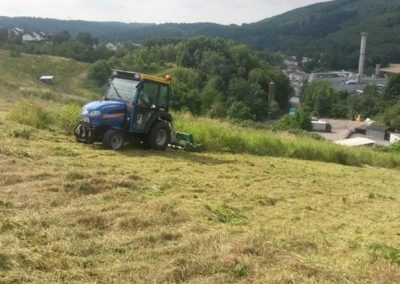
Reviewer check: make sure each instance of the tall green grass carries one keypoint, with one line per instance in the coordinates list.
(218, 136)
(221, 136)
(36, 115)
(30, 113)
(67, 117)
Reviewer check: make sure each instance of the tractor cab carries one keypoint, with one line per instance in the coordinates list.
(146, 97)
(135, 106)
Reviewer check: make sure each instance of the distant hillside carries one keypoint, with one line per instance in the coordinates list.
(98, 29)
(328, 32)
(331, 29)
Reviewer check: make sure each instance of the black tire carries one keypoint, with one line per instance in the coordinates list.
(114, 139)
(78, 132)
(159, 137)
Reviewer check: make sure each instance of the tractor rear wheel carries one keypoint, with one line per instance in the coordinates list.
(113, 139)
(159, 136)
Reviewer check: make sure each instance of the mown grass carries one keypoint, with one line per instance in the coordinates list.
(221, 136)
(82, 214)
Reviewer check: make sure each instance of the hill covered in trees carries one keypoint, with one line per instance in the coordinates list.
(212, 76)
(328, 32)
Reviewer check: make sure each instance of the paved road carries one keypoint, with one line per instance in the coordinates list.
(340, 128)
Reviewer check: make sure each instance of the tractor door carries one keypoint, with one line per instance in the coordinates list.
(146, 105)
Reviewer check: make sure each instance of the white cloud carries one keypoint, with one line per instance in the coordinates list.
(153, 11)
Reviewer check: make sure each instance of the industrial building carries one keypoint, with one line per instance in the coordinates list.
(350, 83)
(354, 82)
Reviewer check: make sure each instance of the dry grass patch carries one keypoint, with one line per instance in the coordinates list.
(80, 214)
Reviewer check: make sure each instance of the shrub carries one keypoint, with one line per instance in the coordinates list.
(300, 121)
(240, 110)
(99, 72)
(395, 147)
(67, 117)
(30, 113)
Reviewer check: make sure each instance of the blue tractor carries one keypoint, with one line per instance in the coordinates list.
(135, 107)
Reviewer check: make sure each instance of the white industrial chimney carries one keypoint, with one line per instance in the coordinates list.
(362, 56)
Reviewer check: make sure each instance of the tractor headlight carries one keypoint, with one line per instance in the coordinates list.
(94, 112)
(85, 111)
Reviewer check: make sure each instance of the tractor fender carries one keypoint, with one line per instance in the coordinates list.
(121, 129)
(166, 117)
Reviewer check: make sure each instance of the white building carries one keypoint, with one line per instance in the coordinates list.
(394, 137)
(111, 46)
(30, 37)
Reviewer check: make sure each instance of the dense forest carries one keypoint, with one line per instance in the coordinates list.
(211, 76)
(328, 32)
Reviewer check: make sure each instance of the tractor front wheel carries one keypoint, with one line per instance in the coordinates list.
(159, 136)
(113, 139)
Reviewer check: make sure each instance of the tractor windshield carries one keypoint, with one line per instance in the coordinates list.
(122, 89)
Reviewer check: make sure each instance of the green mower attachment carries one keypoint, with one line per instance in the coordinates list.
(185, 141)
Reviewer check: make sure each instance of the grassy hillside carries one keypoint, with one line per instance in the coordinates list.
(83, 214)
(78, 213)
(19, 79)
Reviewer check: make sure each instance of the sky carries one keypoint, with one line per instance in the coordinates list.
(153, 11)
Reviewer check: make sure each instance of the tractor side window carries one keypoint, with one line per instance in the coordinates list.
(163, 100)
(150, 91)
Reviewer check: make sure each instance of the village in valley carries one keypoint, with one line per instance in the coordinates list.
(360, 131)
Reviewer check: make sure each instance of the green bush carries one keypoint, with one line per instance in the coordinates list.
(239, 110)
(67, 117)
(30, 113)
(395, 147)
(99, 72)
(301, 120)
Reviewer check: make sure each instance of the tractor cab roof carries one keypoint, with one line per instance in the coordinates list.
(141, 77)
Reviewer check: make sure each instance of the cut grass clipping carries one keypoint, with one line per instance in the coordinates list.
(384, 251)
(225, 214)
